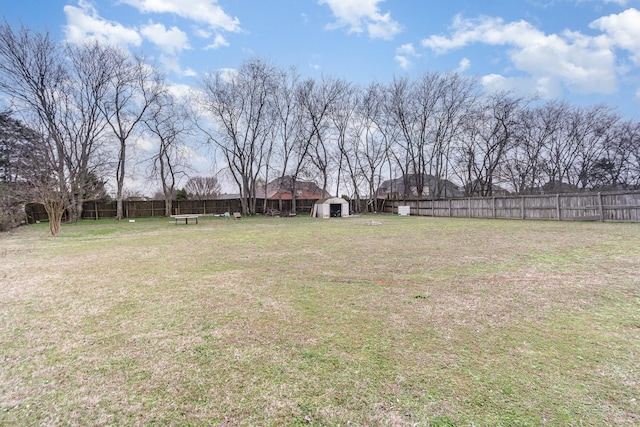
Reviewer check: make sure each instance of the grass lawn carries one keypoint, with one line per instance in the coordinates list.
(375, 320)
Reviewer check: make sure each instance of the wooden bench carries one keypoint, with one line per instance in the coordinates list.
(186, 218)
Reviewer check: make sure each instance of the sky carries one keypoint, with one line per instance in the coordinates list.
(583, 51)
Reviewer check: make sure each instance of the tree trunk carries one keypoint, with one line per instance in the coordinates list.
(293, 195)
(168, 206)
(55, 210)
(120, 181)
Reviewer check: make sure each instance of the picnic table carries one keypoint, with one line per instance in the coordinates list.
(186, 218)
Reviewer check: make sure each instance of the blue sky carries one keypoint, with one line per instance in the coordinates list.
(585, 51)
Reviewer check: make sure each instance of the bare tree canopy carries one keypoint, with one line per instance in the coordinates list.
(202, 187)
(168, 122)
(240, 108)
(133, 87)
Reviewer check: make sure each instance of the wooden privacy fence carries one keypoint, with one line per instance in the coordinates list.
(156, 208)
(610, 206)
(613, 206)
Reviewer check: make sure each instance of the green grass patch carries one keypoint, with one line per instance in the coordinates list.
(299, 321)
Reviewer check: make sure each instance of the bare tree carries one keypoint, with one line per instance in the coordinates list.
(44, 185)
(242, 114)
(61, 89)
(319, 101)
(292, 150)
(588, 130)
(633, 146)
(410, 107)
(133, 88)
(342, 116)
(287, 126)
(537, 129)
(83, 124)
(455, 98)
(32, 75)
(369, 143)
(168, 121)
(202, 187)
(488, 135)
(615, 167)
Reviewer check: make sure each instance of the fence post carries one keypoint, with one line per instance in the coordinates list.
(469, 204)
(558, 207)
(494, 207)
(600, 207)
(449, 208)
(522, 207)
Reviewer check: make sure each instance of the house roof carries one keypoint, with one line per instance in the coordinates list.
(397, 185)
(282, 187)
(332, 200)
(225, 196)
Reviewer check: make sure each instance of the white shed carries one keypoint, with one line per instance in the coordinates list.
(333, 207)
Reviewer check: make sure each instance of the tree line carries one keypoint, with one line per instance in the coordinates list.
(76, 110)
(441, 127)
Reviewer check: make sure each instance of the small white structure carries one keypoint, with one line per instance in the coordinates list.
(333, 207)
(404, 210)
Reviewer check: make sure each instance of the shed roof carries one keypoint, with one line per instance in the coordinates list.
(332, 200)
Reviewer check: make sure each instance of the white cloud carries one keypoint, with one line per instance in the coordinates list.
(218, 41)
(544, 87)
(403, 62)
(84, 24)
(359, 15)
(484, 30)
(582, 63)
(464, 65)
(404, 54)
(172, 63)
(623, 30)
(145, 144)
(407, 49)
(618, 2)
(207, 12)
(170, 41)
(191, 155)
(189, 72)
(180, 91)
(228, 74)
(383, 28)
(201, 32)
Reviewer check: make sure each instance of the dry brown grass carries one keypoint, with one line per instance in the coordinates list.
(416, 321)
